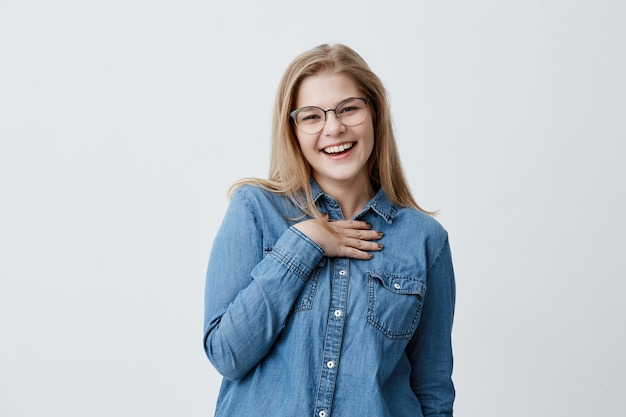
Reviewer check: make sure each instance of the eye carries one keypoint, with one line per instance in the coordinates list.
(309, 116)
(348, 109)
(351, 106)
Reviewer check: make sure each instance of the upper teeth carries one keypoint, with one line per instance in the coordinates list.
(338, 148)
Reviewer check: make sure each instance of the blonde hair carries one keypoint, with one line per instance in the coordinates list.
(289, 172)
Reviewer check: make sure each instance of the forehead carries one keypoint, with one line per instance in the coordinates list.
(325, 89)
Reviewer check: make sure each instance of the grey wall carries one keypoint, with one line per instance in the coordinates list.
(122, 124)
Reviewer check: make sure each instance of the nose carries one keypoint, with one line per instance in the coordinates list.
(333, 125)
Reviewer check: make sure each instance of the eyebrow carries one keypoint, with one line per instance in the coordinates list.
(331, 108)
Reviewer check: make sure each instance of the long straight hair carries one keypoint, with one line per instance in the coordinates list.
(289, 172)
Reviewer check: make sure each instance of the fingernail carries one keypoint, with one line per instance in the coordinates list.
(380, 234)
(380, 246)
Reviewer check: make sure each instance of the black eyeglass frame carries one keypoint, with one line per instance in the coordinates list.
(292, 114)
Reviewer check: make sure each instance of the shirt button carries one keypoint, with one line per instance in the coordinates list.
(322, 413)
(330, 364)
(337, 313)
(342, 272)
(397, 286)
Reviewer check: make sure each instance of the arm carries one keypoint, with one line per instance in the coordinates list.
(430, 349)
(247, 295)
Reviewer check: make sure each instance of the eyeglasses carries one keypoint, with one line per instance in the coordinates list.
(311, 119)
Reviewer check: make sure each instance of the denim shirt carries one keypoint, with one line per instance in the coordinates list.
(295, 333)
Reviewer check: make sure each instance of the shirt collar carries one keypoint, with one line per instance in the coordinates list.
(380, 204)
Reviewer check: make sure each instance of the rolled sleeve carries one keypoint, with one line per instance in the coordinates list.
(295, 252)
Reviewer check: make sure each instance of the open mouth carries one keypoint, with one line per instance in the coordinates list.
(339, 149)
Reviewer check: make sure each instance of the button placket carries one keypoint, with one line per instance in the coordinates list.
(334, 336)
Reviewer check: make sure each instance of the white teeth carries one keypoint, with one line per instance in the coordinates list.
(339, 148)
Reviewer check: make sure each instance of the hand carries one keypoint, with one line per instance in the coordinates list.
(342, 238)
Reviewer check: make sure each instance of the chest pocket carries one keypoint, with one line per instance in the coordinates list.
(395, 303)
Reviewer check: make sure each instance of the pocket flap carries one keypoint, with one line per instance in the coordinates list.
(400, 284)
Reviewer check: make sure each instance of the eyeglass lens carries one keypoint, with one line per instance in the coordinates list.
(350, 112)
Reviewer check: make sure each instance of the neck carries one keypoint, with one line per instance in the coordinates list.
(352, 196)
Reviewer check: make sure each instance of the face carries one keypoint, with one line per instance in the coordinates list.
(337, 154)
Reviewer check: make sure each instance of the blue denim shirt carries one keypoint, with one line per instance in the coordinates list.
(295, 333)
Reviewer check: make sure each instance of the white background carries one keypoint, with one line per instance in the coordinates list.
(122, 124)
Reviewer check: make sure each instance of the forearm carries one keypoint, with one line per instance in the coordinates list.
(430, 349)
(241, 327)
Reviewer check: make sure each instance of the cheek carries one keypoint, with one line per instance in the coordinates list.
(371, 140)
(302, 143)
(371, 156)
(307, 145)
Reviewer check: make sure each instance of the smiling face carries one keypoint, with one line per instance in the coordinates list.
(337, 154)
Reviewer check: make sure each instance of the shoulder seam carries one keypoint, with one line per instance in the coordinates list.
(436, 258)
(248, 204)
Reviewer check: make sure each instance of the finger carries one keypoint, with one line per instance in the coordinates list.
(356, 254)
(352, 224)
(360, 234)
(367, 234)
(349, 244)
(364, 245)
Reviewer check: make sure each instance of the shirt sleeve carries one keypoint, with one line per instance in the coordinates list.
(430, 349)
(249, 293)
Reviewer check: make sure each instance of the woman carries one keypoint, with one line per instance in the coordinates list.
(329, 291)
